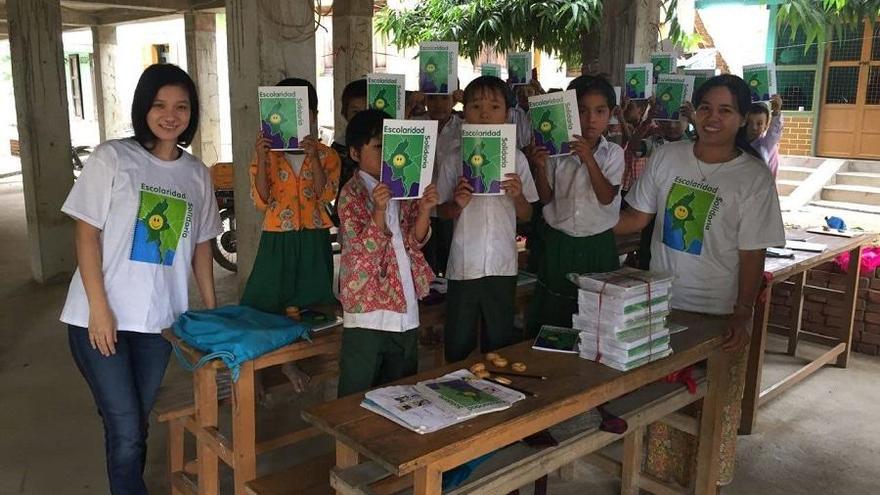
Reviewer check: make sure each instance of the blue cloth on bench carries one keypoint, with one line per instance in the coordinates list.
(234, 334)
(456, 476)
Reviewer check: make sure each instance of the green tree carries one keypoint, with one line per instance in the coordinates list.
(818, 19)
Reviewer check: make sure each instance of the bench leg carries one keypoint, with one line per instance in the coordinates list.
(205, 393)
(709, 443)
(244, 433)
(633, 447)
(427, 480)
(566, 472)
(175, 450)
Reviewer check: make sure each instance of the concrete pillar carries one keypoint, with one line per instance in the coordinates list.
(352, 47)
(112, 117)
(201, 60)
(266, 41)
(44, 132)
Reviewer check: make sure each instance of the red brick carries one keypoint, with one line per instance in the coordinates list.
(872, 328)
(859, 315)
(872, 317)
(819, 298)
(814, 317)
(864, 282)
(858, 326)
(833, 285)
(866, 348)
(870, 338)
(814, 306)
(836, 311)
(874, 296)
(875, 283)
(835, 322)
(860, 305)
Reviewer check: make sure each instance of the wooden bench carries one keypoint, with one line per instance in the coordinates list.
(518, 464)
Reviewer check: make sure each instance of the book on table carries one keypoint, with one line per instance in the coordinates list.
(435, 404)
(557, 339)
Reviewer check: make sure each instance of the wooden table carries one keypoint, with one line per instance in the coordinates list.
(795, 271)
(574, 385)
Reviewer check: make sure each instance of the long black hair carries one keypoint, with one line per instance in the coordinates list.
(742, 98)
(491, 84)
(154, 78)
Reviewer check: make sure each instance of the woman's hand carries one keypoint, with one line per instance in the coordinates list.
(737, 334)
(102, 330)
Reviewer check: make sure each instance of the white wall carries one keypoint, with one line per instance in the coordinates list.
(739, 32)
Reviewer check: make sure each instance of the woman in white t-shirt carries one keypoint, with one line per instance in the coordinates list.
(717, 210)
(145, 213)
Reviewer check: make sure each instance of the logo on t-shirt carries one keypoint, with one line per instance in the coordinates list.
(690, 206)
(164, 217)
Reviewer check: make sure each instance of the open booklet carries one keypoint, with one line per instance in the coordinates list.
(435, 404)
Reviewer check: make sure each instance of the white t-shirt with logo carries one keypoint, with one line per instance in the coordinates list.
(151, 214)
(703, 224)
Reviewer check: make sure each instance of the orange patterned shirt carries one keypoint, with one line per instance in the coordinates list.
(293, 203)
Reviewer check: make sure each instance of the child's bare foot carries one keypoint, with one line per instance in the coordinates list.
(297, 377)
(292, 312)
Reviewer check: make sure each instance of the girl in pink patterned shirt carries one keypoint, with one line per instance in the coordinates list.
(382, 271)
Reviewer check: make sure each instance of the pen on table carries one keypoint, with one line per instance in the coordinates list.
(518, 375)
(511, 387)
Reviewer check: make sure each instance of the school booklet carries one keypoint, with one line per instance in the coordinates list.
(488, 152)
(557, 339)
(385, 92)
(438, 67)
(519, 67)
(490, 70)
(639, 80)
(435, 404)
(700, 76)
(663, 63)
(672, 92)
(284, 115)
(408, 148)
(761, 79)
(555, 121)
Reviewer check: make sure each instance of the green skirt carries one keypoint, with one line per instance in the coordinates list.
(292, 268)
(555, 298)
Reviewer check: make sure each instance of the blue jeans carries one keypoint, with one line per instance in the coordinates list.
(124, 386)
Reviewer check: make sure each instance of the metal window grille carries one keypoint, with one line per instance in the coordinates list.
(796, 88)
(791, 51)
(843, 85)
(848, 46)
(872, 96)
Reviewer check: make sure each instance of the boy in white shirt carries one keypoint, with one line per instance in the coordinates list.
(581, 196)
(482, 268)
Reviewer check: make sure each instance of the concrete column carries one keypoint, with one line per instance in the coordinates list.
(44, 132)
(112, 117)
(201, 60)
(266, 41)
(352, 47)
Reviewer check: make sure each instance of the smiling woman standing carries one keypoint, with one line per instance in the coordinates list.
(144, 211)
(717, 210)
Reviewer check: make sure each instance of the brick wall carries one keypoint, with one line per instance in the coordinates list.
(824, 313)
(797, 135)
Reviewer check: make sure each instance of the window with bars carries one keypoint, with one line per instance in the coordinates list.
(795, 69)
(875, 46)
(791, 50)
(847, 45)
(796, 89)
(843, 85)
(872, 96)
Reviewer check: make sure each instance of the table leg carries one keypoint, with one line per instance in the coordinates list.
(427, 481)
(797, 310)
(755, 367)
(709, 445)
(205, 394)
(244, 428)
(849, 298)
(633, 448)
(346, 457)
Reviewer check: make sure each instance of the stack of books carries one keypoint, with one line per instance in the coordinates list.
(622, 317)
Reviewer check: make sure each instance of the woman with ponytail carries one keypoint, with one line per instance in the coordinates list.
(717, 210)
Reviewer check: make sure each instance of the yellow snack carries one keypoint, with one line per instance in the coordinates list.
(501, 379)
(518, 367)
(492, 356)
(477, 368)
(482, 374)
(499, 362)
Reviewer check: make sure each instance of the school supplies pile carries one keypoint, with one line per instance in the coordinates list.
(432, 405)
(622, 317)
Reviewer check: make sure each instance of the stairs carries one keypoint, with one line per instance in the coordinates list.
(855, 187)
(793, 171)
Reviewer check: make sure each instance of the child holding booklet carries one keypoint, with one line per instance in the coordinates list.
(482, 268)
(765, 130)
(581, 196)
(383, 272)
(353, 100)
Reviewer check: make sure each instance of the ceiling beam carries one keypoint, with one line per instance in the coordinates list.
(147, 5)
(69, 17)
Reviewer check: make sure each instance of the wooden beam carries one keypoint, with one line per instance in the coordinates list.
(148, 5)
(69, 17)
(802, 373)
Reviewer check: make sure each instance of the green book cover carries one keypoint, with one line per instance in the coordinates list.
(555, 121)
(385, 92)
(639, 81)
(557, 339)
(462, 395)
(761, 79)
(488, 152)
(490, 70)
(672, 91)
(438, 67)
(663, 63)
(408, 148)
(700, 76)
(519, 67)
(284, 115)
